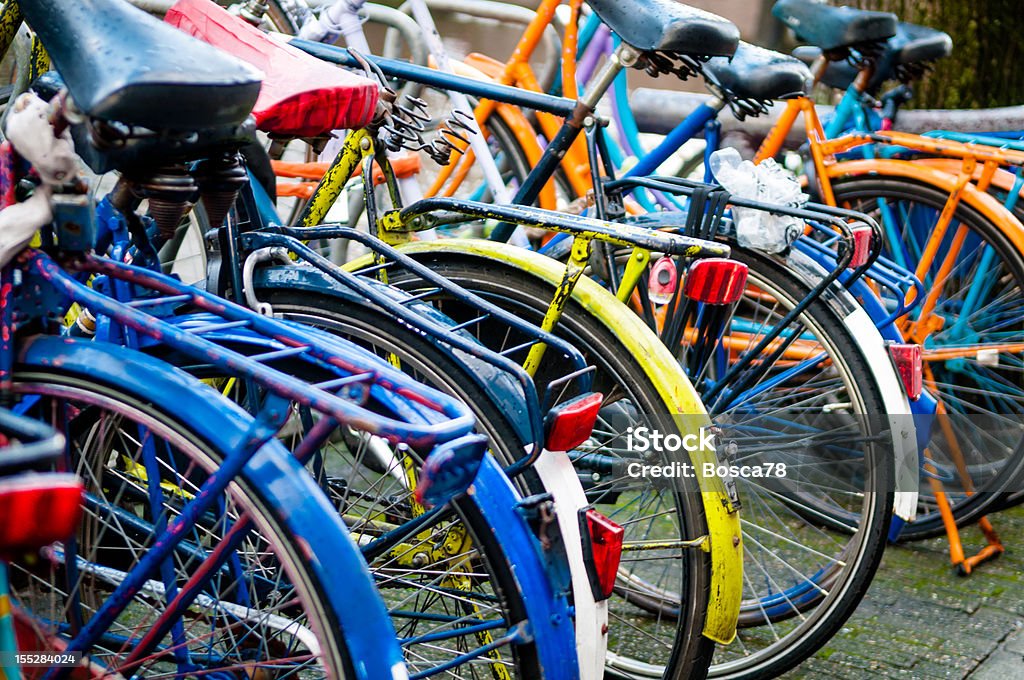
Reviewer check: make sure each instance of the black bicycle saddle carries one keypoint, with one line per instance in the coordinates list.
(834, 28)
(904, 57)
(121, 64)
(759, 74)
(668, 26)
(914, 44)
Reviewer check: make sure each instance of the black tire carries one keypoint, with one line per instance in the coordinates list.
(618, 373)
(866, 526)
(64, 386)
(492, 570)
(1001, 469)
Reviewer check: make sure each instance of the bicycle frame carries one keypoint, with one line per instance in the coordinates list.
(518, 72)
(546, 589)
(959, 186)
(397, 226)
(500, 93)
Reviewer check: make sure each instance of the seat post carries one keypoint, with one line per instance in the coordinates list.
(624, 56)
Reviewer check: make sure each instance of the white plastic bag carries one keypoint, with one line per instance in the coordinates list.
(767, 182)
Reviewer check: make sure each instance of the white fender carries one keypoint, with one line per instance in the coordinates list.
(904, 434)
(897, 407)
(560, 479)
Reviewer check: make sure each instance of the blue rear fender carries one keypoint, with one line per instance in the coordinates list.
(298, 503)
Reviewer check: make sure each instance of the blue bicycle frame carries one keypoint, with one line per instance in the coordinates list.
(541, 576)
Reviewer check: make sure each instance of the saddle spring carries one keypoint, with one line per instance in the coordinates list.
(742, 108)
(865, 54)
(406, 126)
(682, 66)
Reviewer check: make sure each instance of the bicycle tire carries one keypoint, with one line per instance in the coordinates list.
(861, 556)
(386, 335)
(91, 391)
(1005, 474)
(1015, 497)
(365, 493)
(617, 370)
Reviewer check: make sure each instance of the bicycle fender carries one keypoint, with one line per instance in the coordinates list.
(725, 538)
(300, 504)
(502, 389)
(559, 476)
(551, 623)
(897, 410)
(862, 327)
(983, 202)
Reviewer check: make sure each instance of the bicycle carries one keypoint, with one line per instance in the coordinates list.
(78, 385)
(559, 221)
(920, 200)
(779, 74)
(406, 71)
(183, 337)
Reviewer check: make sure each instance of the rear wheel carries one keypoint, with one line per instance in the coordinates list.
(974, 356)
(449, 586)
(813, 537)
(641, 643)
(264, 615)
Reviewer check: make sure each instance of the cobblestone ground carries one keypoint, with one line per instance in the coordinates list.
(921, 620)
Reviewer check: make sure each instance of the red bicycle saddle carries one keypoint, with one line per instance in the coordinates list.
(301, 95)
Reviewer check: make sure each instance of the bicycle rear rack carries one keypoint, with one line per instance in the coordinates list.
(706, 219)
(420, 416)
(366, 283)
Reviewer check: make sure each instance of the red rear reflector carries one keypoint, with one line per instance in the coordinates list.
(38, 509)
(715, 281)
(570, 424)
(861, 246)
(663, 281)
(907, 359)
(603, 553)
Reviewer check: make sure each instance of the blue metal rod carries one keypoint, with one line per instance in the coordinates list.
(682, 133)
(394, 68)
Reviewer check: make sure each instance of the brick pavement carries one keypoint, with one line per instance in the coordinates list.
(920, 620)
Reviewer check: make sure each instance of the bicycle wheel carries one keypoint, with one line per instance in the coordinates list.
(973, 354)
(265, 614)
(814, 537)
(1015, 497)
(640, 645)
(449, 586)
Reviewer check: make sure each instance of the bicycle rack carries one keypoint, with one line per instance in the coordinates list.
(366, 283)
(355, 376)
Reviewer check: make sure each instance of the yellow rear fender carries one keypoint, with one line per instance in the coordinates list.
(674, 387)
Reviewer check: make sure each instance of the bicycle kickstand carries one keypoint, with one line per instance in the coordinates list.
(964, 565)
